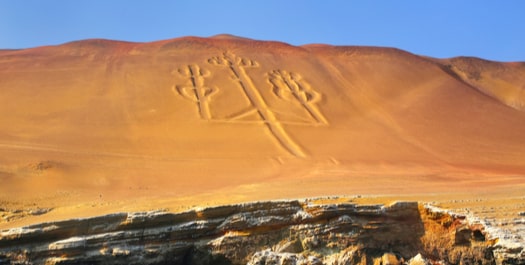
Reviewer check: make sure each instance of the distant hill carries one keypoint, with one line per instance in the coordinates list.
(192, 115)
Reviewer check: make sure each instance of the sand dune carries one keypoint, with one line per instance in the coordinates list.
(230, 118)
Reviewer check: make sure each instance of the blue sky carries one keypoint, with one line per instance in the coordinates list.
(493, 30)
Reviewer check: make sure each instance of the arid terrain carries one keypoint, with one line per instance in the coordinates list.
(94, 127)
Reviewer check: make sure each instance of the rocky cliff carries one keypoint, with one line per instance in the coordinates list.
(277, 232)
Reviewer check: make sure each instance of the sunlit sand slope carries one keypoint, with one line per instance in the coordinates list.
(264, 119)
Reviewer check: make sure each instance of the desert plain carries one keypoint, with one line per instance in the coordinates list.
(94, 127)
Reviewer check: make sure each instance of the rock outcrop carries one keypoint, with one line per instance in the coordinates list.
(277, 232)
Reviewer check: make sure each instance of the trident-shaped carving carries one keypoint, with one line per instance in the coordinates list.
(237, 66)
(291, 87)
(196, 91)
(229, 59)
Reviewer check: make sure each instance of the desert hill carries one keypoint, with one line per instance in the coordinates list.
(245, 119)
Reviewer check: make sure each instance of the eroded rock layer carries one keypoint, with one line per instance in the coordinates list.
(277, 232)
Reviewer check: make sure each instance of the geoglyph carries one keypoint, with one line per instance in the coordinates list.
(285, 85)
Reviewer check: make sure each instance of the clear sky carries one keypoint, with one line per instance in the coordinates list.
(492, 30)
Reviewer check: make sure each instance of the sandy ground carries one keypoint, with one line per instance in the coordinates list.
(98, 126)
(498, 197)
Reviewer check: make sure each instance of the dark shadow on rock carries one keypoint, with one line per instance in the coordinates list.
(203, 256)
(398, 230)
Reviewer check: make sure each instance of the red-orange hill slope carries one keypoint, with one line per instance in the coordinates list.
(207, 113)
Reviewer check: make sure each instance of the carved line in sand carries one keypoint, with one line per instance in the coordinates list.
(290, 86)
(196, 91)
(286, 86)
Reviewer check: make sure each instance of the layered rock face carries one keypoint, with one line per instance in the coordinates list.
(278, 232)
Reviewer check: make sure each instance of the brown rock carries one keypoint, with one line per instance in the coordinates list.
(256, 233)
(390, 259)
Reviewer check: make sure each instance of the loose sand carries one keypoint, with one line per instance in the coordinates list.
(97, 126)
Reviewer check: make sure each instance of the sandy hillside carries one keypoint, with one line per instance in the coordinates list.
(98, 126)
